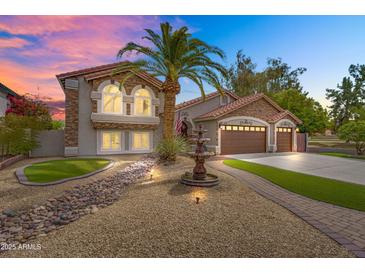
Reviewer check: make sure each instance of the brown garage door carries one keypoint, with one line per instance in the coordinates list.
(284, 139)
(242, 139)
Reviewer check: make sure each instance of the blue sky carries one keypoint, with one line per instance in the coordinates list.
(33, 49)
(325, 45)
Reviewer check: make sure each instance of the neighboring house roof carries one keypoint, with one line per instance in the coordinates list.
(4, 89)
(220, 111)
(105, 70)
(200, 99)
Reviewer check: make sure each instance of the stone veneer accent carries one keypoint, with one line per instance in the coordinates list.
(71, 117)
(106, 125)
(288, 117)
(260, 109)
(129, 84)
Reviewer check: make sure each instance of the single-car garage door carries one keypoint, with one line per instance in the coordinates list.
(242, 139)
(284, 139)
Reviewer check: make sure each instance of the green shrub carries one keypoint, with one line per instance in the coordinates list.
(17, 134)
(58, 124)
(169, 148)
(354, 131)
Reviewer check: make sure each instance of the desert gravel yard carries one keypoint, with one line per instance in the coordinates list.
(17, 196)
(160, 218)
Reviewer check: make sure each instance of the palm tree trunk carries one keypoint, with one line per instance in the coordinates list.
(170, 89)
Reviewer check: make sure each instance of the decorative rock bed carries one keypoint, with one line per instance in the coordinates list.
(19, 227)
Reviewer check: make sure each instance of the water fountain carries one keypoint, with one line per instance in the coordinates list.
(199, 177)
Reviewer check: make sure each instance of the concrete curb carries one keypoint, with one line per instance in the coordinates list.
(24, 180)
(325, 229)
(11, 161)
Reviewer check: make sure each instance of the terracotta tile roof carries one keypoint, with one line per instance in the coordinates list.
(230, 107)
(200, 99)
(88, 70)
(7, 91)
(220, 111)
(104, 70)
(144, 75)
(278, 116)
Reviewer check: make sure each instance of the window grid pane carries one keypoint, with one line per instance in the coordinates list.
(141, 140)
(110, 141)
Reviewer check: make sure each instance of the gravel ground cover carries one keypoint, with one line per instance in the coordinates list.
(160, 218)
(18, 227)
(17, 196)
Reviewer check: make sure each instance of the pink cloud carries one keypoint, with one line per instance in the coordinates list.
(13, 42)
(37, 25)
(24, 79)
(60, 44)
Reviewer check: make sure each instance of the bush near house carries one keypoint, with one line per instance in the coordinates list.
(24, 118)
(169, 148)
(16, 135)
(354, 131)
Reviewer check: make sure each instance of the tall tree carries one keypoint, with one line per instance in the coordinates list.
(348, 99)
(242, 76)
(279, 76)
(175, 54)
(244, 79)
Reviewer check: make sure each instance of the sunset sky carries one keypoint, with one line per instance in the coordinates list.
(33, 49)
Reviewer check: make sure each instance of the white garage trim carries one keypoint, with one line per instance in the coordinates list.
(293, 126)
(259, 121)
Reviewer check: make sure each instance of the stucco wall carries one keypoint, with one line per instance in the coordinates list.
(3, 104)
(199, 109)
(86, 134)
(51, 143)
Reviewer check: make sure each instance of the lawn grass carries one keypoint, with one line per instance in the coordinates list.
(342, 155)
(54, 170)
(318, 188)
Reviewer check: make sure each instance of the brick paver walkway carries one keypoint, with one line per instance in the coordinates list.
(346, 226)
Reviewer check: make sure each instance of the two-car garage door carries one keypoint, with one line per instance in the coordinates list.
(252, 139)
(242, 139)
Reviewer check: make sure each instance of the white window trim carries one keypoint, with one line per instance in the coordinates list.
(100, 106)
(110, 151)
(151, 98)
(122, 140)
(131, 138)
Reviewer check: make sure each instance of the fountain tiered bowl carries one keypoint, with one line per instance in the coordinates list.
(199, 176)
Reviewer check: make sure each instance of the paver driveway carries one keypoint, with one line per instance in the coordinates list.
(325, 166)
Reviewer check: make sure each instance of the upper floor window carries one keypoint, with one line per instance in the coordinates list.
(142, 102)
(224, 100)
(112, 99)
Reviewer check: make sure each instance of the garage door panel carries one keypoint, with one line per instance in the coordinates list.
(284, 141)
(236, 142)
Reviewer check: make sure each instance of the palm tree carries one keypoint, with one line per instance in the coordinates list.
(174, 55)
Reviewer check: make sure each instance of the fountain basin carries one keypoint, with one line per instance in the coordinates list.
(210, 180)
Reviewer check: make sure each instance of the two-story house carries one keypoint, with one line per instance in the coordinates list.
(107, 113)
(104, 116)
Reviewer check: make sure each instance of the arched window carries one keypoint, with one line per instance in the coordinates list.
(112, 100)
(142, 102)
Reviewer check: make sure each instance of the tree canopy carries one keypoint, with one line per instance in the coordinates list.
(313, 115)
(244, 79)
(354, 131)
(348, 99)
(172, 55)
